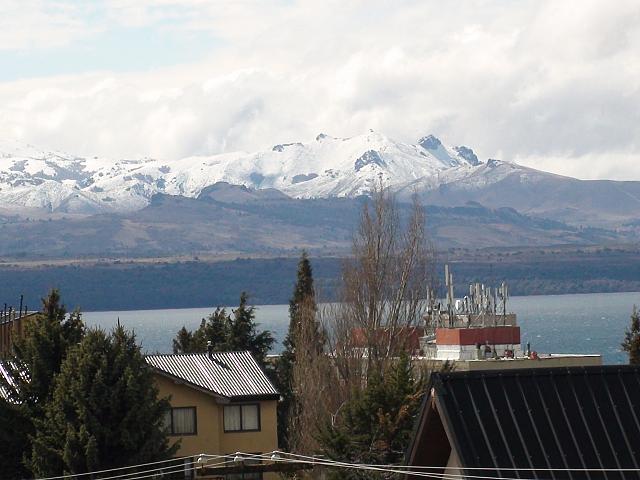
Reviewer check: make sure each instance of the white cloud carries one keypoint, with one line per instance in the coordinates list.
(41, 24)
(553, 84)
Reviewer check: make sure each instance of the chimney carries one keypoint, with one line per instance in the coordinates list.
(210, 349)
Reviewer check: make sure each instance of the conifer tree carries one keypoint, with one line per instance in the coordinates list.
(104, 412)
(375, 425)
(216, 330)
(33, 366)
(227, 333)
(14, 428)
(183, 343)
(242, 332)
(631, 343)
(213, 329)
(303, 298)
(40, 350)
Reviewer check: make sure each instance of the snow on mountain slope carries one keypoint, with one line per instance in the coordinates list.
(327, 166)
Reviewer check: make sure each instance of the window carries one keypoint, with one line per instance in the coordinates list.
(242, 418)
(181, 421)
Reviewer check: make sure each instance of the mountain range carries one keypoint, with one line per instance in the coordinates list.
(293, 195)
(325, 167)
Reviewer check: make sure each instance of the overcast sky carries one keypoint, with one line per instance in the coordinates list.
(550, 84)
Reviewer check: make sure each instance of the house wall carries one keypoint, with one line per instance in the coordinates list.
(11, 328)
(210, 437)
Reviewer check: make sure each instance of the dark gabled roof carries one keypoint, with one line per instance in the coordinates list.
(232, 375)
(546, 418)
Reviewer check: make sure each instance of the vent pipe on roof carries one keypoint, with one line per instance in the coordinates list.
(210, 349)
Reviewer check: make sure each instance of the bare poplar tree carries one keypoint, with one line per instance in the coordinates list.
(380, 299)
(383, 284)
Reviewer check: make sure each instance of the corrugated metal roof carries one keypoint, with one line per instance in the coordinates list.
(551, 418)
(6, 376)
(235, 375)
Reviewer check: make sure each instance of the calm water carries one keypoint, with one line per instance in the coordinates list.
(589, 323)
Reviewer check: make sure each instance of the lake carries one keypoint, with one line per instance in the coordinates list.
(583, 323)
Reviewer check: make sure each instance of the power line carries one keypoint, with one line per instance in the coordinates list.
(285, 457)
(128, 467)
(176, 469)
(383, 469)
(404, 469)
(482, 468)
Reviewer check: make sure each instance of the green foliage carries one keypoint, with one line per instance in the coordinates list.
(226, 333)
(13, 440)
(303, 297)
(36, 360)
(631, 343)
(375, 425)
(41, 350)
(104, 412)
(302, 290)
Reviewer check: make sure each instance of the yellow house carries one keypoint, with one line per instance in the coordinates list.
(221, 403)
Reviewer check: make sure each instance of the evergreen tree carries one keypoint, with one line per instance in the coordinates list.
(216, 330)
(227, 333)
(243, 335)
(303, 290)
(104, 411)
(375, 425)
(13, 440)
(303, 297)
(631, 343)
(183, 343)
(39, 352)
(213, 329)
(33, 366)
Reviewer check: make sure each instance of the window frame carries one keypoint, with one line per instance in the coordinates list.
(242, 430)
(195, 422)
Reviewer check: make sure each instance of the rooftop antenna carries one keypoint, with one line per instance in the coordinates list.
(448, 280)
(503, 292)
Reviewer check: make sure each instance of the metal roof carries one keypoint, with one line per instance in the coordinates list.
(5, 373)
(6, 377)
(549, 418)
(233, 375)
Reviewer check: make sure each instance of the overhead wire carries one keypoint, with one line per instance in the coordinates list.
(407, 469)
(383, 469)
(203, 460)
(177, 469)
(128, 467)
(488, 468)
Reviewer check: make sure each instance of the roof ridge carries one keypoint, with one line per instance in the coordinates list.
(541, 371)
(195, 353)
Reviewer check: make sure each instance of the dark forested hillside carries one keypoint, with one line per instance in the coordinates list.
(136, 285)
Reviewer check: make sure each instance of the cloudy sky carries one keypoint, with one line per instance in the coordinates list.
(550, 84)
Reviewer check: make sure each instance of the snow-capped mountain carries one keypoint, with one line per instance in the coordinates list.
(33, 179)
(326, 166)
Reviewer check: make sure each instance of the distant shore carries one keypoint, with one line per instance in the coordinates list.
(204, 280)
